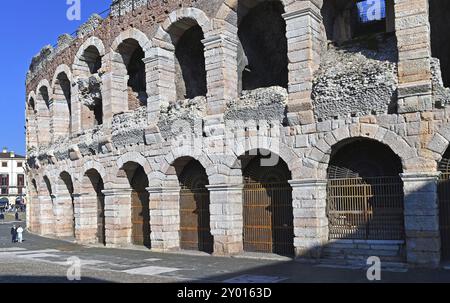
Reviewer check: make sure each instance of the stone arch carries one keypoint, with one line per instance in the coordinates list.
(194, 14)
(31, 120)
(62, 103)
(90, 42)
(270, 145)
(91, 226)
(129, 50)
(439, 143)
(44, 107)
(92, 164)
(64, 186)
(134, 34)
(63, 68)
(86, 66)
(319, 156)
(136, 158)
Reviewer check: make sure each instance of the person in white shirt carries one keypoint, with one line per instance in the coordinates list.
(19, 234)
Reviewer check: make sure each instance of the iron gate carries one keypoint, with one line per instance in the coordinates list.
(140, 219)
(365, 208)
(194, 220)
(268, 218)
(444, 207)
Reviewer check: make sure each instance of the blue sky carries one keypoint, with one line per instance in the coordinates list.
(25, 27)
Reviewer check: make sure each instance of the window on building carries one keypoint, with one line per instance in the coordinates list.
(19, 164)
(4, 184)
(4, 164)
(20, 183)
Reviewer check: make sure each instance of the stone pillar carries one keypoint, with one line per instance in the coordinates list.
(423, 246)
(114, 87)
(32, 212)
(227, 223)
(221, 70)
(164, 218)
(76, 107)
(61, 118)
(309, 200)
(64, 215)
(85, 218)
(304, 42)
(118, 217)
(46, 215)
(414, 50)
(160, 73)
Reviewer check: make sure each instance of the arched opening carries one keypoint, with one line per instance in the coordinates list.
(268, 210)
(32, 123)
(345, 20)
(365, 194)
(262, 58)
(69, 203)
(44, 118)
(90, 87)
(190, 76)
(62, 105)
(195, 230)
(439, 11)
(93, 187)
(140, 207)
(132, 56)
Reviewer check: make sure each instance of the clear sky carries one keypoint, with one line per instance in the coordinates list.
(25, 27)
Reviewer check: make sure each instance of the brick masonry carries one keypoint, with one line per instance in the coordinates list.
(418, 133)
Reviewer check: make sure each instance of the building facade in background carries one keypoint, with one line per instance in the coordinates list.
(12, 178)
(315, 129)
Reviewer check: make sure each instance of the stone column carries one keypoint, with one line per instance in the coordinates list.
(423, 246)
(114, 87)
(85, 218)
(46, 215)
(118, 217)
(64, 215)
(160, 73)
(414, 69)
(304, 41)
(227, 223)
(309, 201)
(60, 118)
(76, 107)
(164, 218)
(221, 70)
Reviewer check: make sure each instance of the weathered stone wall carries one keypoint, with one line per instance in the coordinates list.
(341, 94)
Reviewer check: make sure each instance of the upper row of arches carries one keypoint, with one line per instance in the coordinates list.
(262, 61)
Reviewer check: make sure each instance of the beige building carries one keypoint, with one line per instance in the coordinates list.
(316, 129)
(12, 177)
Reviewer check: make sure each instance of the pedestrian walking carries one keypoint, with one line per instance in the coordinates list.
(20, 234)
(13, 234)
(17, 216)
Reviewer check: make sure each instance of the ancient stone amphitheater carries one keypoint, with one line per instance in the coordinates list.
(307, 128)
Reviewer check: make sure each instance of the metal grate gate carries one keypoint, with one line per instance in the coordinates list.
(365, 208)
(194, 220)
(444, 210)
(268, 218)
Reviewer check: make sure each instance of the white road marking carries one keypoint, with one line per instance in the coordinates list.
(150, 270)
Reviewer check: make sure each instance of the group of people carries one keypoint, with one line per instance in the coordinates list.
(17, 234)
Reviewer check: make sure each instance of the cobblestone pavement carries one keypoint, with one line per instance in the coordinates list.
(46, 260)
